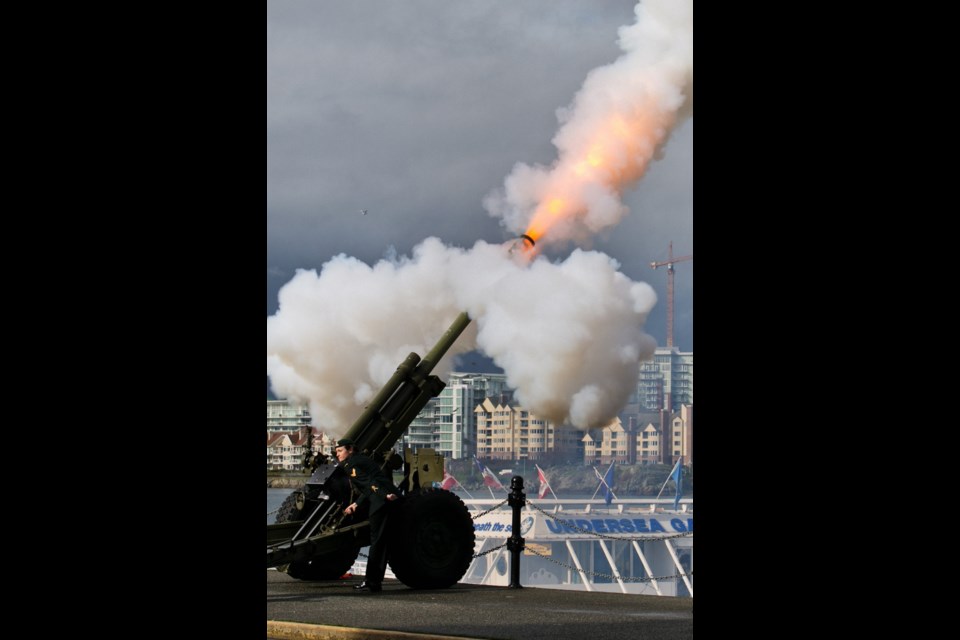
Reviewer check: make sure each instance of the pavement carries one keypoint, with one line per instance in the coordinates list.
(323, 610)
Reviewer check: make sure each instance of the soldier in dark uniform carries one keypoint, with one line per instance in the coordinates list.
(375, 486)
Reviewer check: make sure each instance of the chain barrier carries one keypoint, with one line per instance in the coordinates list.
(493, 508)
(483, 553)
(270, 513)
(606, 575)
(480, 515)
(684, 534)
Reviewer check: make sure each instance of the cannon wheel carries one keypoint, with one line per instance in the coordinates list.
(431, 542)
(289, 509)
(328, 566)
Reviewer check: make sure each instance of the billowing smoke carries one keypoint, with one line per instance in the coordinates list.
(619, 120)
(569, 336)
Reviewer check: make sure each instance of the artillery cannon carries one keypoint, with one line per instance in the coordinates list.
(431, 532)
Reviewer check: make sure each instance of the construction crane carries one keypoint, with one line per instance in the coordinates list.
(668, 263)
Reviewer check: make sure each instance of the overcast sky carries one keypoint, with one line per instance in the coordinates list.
(417, 110)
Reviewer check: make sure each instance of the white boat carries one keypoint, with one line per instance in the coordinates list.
(639, 546)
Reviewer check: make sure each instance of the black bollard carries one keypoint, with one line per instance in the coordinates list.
(516, 500)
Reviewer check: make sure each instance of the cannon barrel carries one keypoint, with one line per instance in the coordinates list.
(408, 390)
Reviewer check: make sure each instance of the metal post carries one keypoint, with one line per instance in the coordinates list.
(516, 500)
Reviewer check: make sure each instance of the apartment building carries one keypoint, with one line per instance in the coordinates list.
(447, 423)
(508, 432)
(660, 439)
(475, 415)
(666, 382)
(283, 415)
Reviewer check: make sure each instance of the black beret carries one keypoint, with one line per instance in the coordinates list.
(346, 442)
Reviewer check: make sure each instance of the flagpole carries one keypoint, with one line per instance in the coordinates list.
(464, 489)
(678, 481)
(668, 478)
(605, 481)
(483, 474)
(599, 485)
(541, 474)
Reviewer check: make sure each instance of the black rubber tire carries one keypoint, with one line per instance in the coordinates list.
(329, 566)
(288, 509)
(431, 540)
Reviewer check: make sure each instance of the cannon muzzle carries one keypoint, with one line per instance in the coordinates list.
(408, 390)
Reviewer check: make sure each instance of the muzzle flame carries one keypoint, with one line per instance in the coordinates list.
(615, 155)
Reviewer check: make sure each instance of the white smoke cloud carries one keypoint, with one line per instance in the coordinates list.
(620, 119)
(569, 335)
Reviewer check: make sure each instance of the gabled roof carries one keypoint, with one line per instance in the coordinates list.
(278, 439)
(489, 407)
(294, 438)
(614, 425)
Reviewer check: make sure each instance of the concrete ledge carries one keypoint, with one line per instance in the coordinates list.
(301, 631)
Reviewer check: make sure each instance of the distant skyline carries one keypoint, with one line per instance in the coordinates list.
(389, 123)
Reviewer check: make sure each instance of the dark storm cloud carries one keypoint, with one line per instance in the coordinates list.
(416, 110)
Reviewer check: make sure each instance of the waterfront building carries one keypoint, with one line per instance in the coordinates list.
(285, 449)
(510, 432)
(612, 443)
(474, 415)
(447, 422)
(283, 415)
(648, 444)
(666, 381)
(682, 434)
(645, 439)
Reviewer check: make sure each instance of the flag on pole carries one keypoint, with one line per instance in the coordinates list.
(448, 481)
(488, 478)
(607, 483)
(677, 476)
(544, 485)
